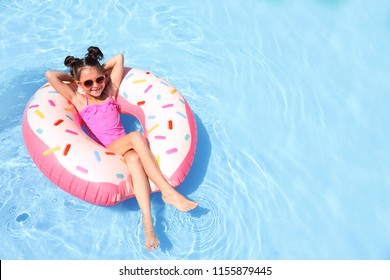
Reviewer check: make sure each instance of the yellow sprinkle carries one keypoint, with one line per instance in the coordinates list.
(153, 128)
(52, 150)
(139, 81)
(39, 113)
(158, 160)
(173, 91)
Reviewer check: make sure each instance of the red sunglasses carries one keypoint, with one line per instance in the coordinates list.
(99, 80)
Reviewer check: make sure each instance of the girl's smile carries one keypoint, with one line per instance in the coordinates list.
(92, 81)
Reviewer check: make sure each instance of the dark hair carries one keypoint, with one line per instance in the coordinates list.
(91, 59)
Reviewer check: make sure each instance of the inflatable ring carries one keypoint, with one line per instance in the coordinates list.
(63, 151)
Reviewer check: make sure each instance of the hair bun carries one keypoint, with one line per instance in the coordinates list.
(70, 61)
(95, 53)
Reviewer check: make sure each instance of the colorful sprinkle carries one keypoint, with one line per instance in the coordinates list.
(110, 153)
(51, 102)
(97, 156)
(71, 132)
(51, 150)
(167, 106)
(147, 73)
(158, 159)
(139, 103)
(39, 130)
(160, 137)
(68, 109)
(120, 176)
(181, 115)
(58, 122)
(173, 91)
(151, 117)
(164, 83)
(81, 169)
(69, 117)
(66, 150)
(158, 96)
(170, 124)
(39, 113)
(139, 81)
(125, 95)
(153, 128)
(148, 88)
(129, 76)
(52, 92)
(187, 137)
(33, 106)
(182, 101)
(172, 151)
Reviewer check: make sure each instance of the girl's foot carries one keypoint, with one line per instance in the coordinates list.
(151, 241)
(178, 201)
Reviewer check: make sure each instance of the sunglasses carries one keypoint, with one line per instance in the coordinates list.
(99, 80)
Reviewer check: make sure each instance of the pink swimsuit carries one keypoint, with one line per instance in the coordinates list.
(103, 121)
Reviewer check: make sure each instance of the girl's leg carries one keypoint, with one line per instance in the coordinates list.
(136, 141)
(142, 193)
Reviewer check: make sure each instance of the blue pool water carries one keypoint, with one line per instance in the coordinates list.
(291, 101)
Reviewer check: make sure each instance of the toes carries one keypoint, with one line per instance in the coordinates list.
(153, 246)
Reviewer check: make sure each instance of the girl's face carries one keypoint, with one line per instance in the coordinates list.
(92, 81)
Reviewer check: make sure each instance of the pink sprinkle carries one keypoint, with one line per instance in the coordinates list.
(167, 106)
(160, 137)
(71, 132)
(172, 151)
(51, 102)
(82, 169)
(147, 89)
(33, 106)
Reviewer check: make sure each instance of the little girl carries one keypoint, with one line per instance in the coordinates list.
(100, 83)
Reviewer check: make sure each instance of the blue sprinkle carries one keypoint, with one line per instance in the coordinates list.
(125, 95)
(52, 92)
(151, 117)
(69, 117)
(164, 83)
(158, 96)
(39, 130)
(129, 76)
(120, 176)
(97, 155)
(187, 137)
(181, 115)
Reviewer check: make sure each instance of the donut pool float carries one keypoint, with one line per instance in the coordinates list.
(59, 146)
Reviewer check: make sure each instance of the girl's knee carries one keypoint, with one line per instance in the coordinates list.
(132, 158)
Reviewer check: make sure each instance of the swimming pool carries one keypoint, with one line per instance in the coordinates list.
(290, 99)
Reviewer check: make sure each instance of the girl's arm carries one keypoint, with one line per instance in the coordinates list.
(115, 67)
(57, 79)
